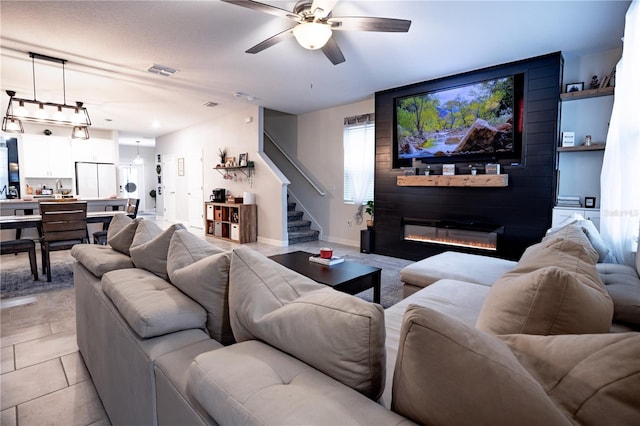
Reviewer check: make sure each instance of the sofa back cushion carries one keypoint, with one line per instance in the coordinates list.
(100, 259)
(201, 271)
(445, 368)
(121, 231)
(339, 334)
(150, 247)
(593, 378)
(150, 305)
(554, 289)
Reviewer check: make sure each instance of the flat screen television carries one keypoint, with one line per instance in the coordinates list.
(475, 122)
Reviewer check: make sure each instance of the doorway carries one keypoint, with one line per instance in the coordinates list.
(132, 182)
(169, 186)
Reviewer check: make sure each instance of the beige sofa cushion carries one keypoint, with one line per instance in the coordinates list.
(594, 378)
(201, 271)
(150, 246)
(254, 383)
(554, 289)
(450, 373)
(121, 231)
(339, 334)
(546, 301)
(150, 305)
(453, 265)
(100, 259)
(623, 285)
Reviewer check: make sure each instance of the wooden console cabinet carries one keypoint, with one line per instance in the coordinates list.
(232, 222)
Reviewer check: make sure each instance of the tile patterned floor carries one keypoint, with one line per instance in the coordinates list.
(43, 379)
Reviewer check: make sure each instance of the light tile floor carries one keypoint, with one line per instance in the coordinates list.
(44, 380)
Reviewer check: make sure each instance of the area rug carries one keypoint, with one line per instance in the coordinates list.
(391, 286)
(16, 279)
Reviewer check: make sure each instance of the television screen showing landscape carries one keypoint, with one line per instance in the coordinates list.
(467, 120)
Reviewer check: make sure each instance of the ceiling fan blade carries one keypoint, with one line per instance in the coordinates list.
(356, 23)
(261, 7)
(322, 8)
(333, 52)
(271, 41)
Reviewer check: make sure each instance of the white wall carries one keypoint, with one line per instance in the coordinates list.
(238, 129)
(319, 149)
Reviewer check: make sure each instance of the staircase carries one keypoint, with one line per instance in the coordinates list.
(299, 230)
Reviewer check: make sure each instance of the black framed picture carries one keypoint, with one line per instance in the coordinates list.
(590, 202)
(574, 87)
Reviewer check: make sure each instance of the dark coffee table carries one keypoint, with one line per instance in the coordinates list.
(348, 277)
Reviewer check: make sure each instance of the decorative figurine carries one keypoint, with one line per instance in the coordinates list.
(594, 82)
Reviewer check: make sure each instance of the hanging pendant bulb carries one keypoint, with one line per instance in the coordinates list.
(138, 160)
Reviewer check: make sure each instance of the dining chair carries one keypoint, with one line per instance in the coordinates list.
(22, 246)
(25, 212)
(64, 224)
(132, 207)
(100, 237)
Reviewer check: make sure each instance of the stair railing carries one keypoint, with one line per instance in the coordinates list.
(293, 163)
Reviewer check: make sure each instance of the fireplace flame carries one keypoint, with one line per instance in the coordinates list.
(451, 242)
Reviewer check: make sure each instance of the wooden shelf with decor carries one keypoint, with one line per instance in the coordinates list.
(454, 180)
(592, 147)
(589, 93)
(231, 222)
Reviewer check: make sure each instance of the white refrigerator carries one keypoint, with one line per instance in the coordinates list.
(96, 180)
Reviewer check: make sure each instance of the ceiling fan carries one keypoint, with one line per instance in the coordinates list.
(315, 25)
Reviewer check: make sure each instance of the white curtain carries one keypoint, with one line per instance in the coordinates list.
(620, 178)
(359, 161)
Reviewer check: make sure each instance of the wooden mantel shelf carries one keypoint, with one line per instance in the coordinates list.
(455, 180)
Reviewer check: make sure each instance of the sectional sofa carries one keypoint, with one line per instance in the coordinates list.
(174, 330)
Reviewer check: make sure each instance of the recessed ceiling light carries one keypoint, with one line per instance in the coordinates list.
(210, 104)
(155, 124)
(162, 70)
(108, 119)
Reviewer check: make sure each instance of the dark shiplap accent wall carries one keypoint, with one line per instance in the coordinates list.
(523, 208)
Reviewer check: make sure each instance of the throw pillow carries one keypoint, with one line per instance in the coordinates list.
(186, 248)
(201, 271)
(121, 231)
(588, 229)
(152, 254)
(595, 379)
(549, 300)
(445, 368)
(339, 334)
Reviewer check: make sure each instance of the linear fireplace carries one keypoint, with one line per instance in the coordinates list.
(451, 233)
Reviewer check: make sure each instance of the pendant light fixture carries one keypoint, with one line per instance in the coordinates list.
(46, 112)
(138, 160)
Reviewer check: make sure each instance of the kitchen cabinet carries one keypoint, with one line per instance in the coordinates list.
(46, 157)
(94, 150)
(233, 222)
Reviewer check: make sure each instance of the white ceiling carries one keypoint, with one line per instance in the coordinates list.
(110, 45)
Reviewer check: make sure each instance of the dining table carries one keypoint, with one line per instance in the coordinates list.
(35, 220)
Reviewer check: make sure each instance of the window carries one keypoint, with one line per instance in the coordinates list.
(359, 158)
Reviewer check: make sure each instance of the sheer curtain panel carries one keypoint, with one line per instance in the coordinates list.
(620, 178)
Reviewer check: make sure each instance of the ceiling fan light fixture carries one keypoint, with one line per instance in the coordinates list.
(312, 35)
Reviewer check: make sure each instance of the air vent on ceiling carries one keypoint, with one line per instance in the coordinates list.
(162, 70)
(210, 104)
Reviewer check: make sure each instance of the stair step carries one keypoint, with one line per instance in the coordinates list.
(298, 225)
(291, 206)
(294, 215)
(303, 236)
